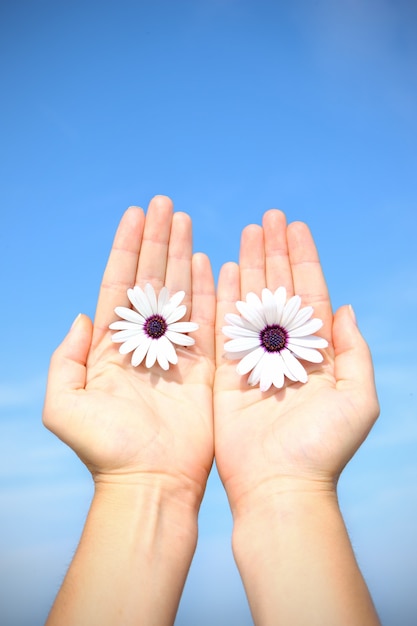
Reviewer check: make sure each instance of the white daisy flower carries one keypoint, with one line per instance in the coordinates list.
(153, 328)
(271, 336)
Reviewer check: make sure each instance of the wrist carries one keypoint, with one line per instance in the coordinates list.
(296, 560)
(285, 519)
(276, 495)
(133, 556)
(280, 504)
(149, 491)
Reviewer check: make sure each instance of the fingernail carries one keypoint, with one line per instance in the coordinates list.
(352, 313)
(75, 321)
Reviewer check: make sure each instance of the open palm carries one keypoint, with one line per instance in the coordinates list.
(126, 421)
(303, 432)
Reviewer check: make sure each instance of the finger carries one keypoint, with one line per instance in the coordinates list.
(228, 291)
(252, 260)
(277, 262)
(178, 271)
(67, 370)
(353, 364)
(308, 277)
(154, 250)
(120, 271)
(203, 302)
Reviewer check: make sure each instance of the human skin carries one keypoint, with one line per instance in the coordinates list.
(280, 453)
(145, 435)
(149, 436)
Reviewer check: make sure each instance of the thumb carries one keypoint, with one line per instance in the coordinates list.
(67, 371)
(353, 361)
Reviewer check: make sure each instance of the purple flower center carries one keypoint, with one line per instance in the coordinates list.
(273, 338)
(155, 326)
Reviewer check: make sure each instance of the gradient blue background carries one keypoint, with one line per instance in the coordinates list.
(231, 107)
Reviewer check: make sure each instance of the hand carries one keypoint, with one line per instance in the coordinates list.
(130, 423)
(299, 437)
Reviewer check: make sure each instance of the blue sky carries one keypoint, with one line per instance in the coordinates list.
(231, 107)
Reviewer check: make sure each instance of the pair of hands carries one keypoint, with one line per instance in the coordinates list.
(138, 426)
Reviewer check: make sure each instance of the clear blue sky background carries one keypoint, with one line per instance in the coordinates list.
(231, 107)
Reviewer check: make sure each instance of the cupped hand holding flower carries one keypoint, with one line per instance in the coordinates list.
(135, 423)
(289, 430)
(145, 433)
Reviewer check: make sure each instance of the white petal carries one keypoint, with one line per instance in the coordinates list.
(296, 369)
(236, 356)
(251, 314)
(141, 350)
(232, 318)
(176, 314)
(151, 295)
(124, 335)
(278, 373)
(307, 354)
(249, 361)
(253, 300)
(129, 315)
(123, 325)
(172, 305)
(169, 350)
(161, 352)
(306, 329)
(151, 355)
(179, 338)
(183, 327)
(131, 344)
(254, 378)
(235, 332)
(162, 360)
(255, 375)
(302, 316)
(236, 320)
(265, 381)
(139, 300)
(241, 344)
(310, 341)
(163, 298)
(177, 298)
(290, 311)
(270, 307)
(280, 296)
(287, 372)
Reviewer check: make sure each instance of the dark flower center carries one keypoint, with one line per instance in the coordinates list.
(273, 338)
(155, 326)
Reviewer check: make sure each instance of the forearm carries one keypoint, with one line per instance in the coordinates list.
(297, 564)
(132, 560)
